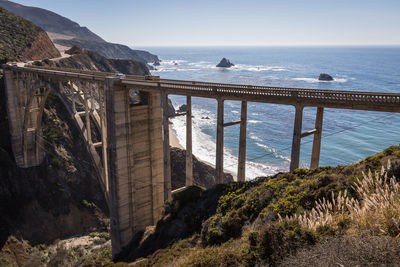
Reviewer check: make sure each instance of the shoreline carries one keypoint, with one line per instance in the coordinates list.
(174, 142)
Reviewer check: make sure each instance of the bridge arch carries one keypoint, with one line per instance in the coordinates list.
(32, 141)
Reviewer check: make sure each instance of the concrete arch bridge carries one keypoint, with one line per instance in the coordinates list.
(130, 116)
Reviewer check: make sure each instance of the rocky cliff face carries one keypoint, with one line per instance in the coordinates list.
(20, 39)
(83, 59)
(110, 50)
(41, 48)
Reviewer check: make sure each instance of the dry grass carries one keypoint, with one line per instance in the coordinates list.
(376, 211)
(348, 251)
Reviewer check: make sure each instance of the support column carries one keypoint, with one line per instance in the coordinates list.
(298, 121)
(112, 138)
(103, 130)
(317, 139)
(189, 157)
(87, 115)
(167, 154)
(241, 173)
(219, 161)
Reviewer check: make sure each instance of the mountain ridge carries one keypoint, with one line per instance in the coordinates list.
(83, 37)
(50, 21)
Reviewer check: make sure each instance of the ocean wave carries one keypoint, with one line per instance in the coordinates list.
(204, 146)
(254, 121)
(315, 80)
(255, 137)
(258, 67)
(184, 65)
(273, 151)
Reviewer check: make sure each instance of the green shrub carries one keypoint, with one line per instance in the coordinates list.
(276, 240)
(183, 198)
(56, 162)
(4, 262)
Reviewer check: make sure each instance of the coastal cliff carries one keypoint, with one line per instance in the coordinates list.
(83, 59)
(50, 21)
(76, 35)
(109, 50)
(22, 40)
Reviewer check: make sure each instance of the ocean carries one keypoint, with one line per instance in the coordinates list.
(347, 135)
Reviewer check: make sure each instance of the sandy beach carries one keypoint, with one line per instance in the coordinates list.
(173, 140)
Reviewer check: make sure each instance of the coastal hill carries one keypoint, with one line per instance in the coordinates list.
(83, 59)
(327, 216)
(22, 40)
(50, 21)
(77, 35)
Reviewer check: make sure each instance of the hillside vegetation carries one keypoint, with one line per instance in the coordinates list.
(21, 39)
(330, 216)
(15, 35)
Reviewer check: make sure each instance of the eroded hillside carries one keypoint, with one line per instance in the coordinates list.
(21, 39)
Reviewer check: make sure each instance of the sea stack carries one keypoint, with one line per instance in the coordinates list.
(225, 63)
(325, 77)
(182, 108)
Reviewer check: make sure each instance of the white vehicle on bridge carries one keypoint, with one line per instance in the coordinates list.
(120, 75)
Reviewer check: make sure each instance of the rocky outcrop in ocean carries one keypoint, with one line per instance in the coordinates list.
(225, 63)
(325, 77)
(182, 108)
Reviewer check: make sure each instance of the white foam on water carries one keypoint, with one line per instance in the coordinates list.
(204, 146)
(254, 121)
(273, 151)
(255, 137)
(183, 65)
(257, 68)
(315, 80)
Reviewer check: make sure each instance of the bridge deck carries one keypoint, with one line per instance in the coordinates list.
(374, 101)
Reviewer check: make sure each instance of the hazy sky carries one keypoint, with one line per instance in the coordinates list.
(235, 22)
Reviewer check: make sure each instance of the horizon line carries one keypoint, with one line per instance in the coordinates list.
(300, 45)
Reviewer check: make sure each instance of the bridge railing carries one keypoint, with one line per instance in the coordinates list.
(215, 90)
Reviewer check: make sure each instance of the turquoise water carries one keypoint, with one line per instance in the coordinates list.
(348, 136)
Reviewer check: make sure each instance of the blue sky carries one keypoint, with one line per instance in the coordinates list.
(235, 22)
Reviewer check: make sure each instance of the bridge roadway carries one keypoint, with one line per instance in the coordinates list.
(136, 177)
(360, 100)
